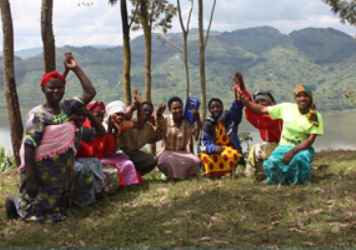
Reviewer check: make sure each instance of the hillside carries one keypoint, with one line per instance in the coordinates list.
(322, 58)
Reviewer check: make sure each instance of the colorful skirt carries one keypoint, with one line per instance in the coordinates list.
(125, 169)
(88, 181)
(55, 178)
(298, 171)
(178, 165)
(220, 164)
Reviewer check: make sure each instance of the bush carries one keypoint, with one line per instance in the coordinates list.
(6, 162)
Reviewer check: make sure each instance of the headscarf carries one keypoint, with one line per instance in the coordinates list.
(264, 95)
(46, 77)
(312, 113)
(214, 99)
(112, 108)
(96, 106)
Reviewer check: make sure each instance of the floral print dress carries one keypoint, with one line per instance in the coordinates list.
(53, 174)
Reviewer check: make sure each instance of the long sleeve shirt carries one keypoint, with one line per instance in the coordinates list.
(231, 120)
(270, 130)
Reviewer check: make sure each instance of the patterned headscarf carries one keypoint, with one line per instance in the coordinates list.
(46, 77)
(312, 113)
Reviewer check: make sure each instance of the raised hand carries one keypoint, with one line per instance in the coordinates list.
(137, 98)
(69, 61)
(160, 110)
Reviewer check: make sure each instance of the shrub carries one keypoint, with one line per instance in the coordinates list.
(6, 162)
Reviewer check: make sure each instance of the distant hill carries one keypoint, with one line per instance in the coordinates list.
(322, 58)
(324, 45)
(27, 53)
(32, 52)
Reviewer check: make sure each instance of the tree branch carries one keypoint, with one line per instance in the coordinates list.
(210, 23)
(180, 17)
(190, 15)
(134, 14)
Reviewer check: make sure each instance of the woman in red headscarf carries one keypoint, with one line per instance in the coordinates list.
(101, 145)
(104, 147)
(48, 149)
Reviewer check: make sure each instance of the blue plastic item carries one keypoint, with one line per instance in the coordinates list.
(192, 104)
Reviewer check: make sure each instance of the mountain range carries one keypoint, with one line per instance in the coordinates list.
(322, 58)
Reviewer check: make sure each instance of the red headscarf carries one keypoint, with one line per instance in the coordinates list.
(96, 106)
(46, 77)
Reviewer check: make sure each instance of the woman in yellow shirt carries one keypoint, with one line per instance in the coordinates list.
(290, 162)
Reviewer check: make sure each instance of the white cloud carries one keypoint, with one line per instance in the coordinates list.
(99, 23)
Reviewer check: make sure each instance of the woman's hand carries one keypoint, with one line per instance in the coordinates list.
(288, 156)
(240, 94)
(219, 149)
(160, 110)
(69, 61)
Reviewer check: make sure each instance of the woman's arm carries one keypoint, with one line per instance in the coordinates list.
(198, 128)
(88, 89)
(161, 124)
(208, 141)
(254, 107)
(32, 182)
(33, 137)
(304, 145)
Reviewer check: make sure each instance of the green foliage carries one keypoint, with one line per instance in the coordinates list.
(6, 162)
(155, 13)
(345, 9)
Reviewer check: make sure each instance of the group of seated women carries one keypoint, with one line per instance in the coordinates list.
(71, 148)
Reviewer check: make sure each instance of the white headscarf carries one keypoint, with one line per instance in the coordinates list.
(112, 108)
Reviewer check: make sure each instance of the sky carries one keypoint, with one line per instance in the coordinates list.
(95, 22)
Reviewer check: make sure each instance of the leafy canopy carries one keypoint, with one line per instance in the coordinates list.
(346, 9)
(153, 13)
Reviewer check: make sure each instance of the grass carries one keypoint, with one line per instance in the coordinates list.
(202, 213)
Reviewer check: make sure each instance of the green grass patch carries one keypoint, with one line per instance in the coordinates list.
(206, 214)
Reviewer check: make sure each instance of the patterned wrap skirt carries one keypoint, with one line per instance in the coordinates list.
(220, 164)
(215, 165)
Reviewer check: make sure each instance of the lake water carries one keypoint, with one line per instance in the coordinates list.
(340, 131)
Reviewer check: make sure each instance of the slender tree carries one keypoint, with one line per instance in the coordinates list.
(49, 47)
(151, 14)
(203, 41)
(185, 32)
(345, 9)
(126, 57)
(12, 102)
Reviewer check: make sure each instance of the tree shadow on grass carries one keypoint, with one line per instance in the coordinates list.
(224, 213)
(218, 218)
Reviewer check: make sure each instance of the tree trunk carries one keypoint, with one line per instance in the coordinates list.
(147, 31)
(186, 63)
(126, 70)
(49, 48)
(185, 32)
(12, 102)
(148, 62)
(202, 57)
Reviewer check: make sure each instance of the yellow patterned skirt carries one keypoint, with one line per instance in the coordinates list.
(220, 164)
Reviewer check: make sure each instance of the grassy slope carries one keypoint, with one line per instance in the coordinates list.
(204, 213)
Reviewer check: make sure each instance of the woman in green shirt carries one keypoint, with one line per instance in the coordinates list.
(290, 162)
